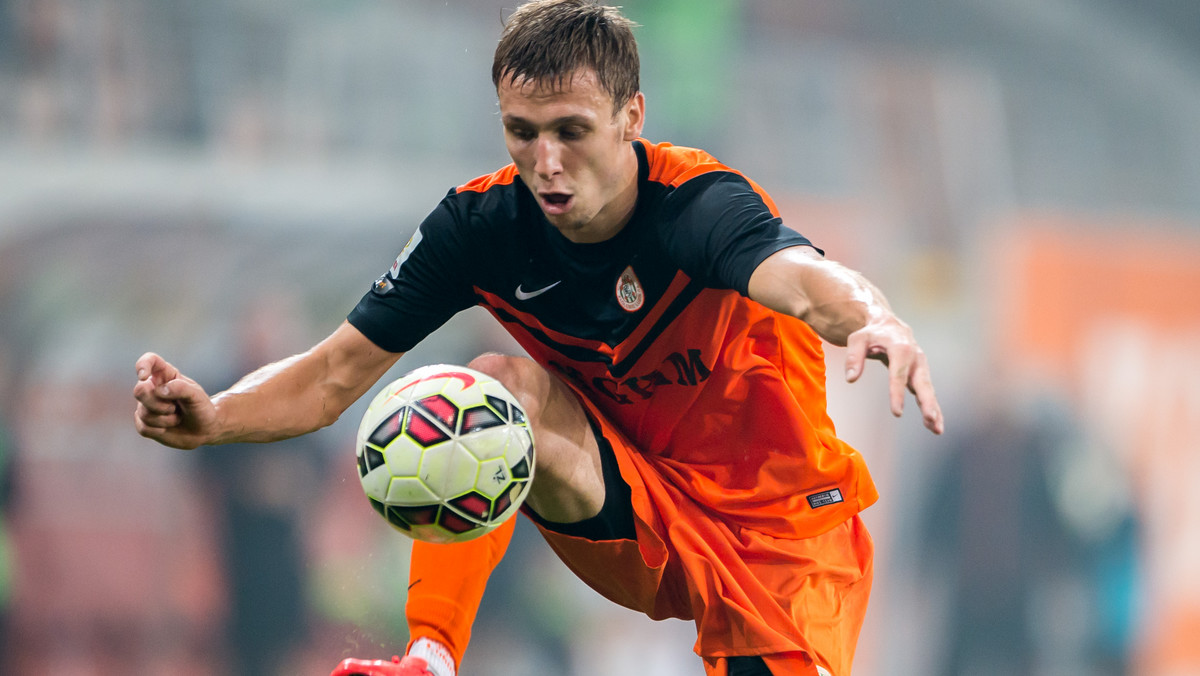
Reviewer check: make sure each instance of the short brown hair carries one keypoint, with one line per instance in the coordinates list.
(549, 40)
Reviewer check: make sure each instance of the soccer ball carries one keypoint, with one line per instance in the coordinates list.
(445, 453)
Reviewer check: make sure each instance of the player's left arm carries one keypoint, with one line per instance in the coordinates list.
(847, 310)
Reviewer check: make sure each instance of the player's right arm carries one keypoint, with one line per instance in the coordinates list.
(285, 399)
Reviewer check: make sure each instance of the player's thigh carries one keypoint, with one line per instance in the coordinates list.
(568, 483)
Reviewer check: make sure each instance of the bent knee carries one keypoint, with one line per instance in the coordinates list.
(524, 378)
(512, 372)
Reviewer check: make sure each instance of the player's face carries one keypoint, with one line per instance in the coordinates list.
(574, 153)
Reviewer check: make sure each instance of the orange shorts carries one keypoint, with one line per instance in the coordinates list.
(796, 602)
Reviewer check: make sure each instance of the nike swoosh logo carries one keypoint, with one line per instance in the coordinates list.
(526, 295)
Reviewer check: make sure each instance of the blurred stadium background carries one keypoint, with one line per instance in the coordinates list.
(220, 181)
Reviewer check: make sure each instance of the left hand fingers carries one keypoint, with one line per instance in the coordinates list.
(907, 368)
(899, 359)
(921, 385)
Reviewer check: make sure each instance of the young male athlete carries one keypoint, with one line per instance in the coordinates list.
(686, 466)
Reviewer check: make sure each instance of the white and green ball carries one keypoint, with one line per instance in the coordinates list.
(445, 453)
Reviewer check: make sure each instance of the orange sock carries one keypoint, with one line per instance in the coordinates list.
(446, 584)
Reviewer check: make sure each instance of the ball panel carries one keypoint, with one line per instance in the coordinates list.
(408, 491)
(502, 503)
(499, 404)
(494, 477)
(518, 446)
(441, 409)
(487, 444)
(394, 519)
(449, 469)
(389, 429)
(372, 458)
(422, 430)
(414, 516)
(509, 502)
(478, 418)
(456, 523)
(522, 469)
(473, 505)
(375, 483)
(403, 459)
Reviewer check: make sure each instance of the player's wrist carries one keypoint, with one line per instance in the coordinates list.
(219, 431)
(438, 657)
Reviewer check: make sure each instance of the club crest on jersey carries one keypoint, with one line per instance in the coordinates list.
(629, 291)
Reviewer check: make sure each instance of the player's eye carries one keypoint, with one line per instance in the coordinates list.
(571, 133)
(521, 133)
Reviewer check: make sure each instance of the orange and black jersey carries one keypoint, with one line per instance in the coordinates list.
(488, 243)
(652, 326)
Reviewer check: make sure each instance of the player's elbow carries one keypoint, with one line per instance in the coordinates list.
(327, 416)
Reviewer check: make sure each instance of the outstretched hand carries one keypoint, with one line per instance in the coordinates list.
(891, 341)
(172, 409)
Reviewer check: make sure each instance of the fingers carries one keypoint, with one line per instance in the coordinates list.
(897, 355)
(168, 403)
(167, 436)
(158, 418)
(921, 386)
(908, 370)
(161, 387)
(900, 361)
(856, 355)
(154, 414)
(151, 395)
(154, 368)
(145, 363)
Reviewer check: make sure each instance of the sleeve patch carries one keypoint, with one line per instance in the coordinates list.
(394, 271)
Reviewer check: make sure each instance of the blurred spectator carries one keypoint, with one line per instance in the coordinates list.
(260, 495)
(1025, 588)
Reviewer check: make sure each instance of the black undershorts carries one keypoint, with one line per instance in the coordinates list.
(615, 520)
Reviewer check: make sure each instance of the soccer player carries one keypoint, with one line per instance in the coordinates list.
(686, 465)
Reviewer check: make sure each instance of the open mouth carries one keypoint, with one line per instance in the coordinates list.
(555, 202)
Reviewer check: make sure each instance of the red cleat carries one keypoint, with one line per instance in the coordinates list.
(408, 666)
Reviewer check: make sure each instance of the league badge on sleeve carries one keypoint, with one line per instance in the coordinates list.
(413, 241)
(629, 291)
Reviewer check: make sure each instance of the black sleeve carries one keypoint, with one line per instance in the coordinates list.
(427, 284)
(724, 229)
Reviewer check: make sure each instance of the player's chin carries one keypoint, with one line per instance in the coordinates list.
(564, 222)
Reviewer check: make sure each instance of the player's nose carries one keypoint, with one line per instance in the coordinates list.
(547, 158)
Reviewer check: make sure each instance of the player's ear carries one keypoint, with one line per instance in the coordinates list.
(635, 116)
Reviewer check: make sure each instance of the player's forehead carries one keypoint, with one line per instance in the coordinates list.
(580, 90)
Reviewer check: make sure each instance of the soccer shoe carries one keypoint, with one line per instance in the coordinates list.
(409, 666)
